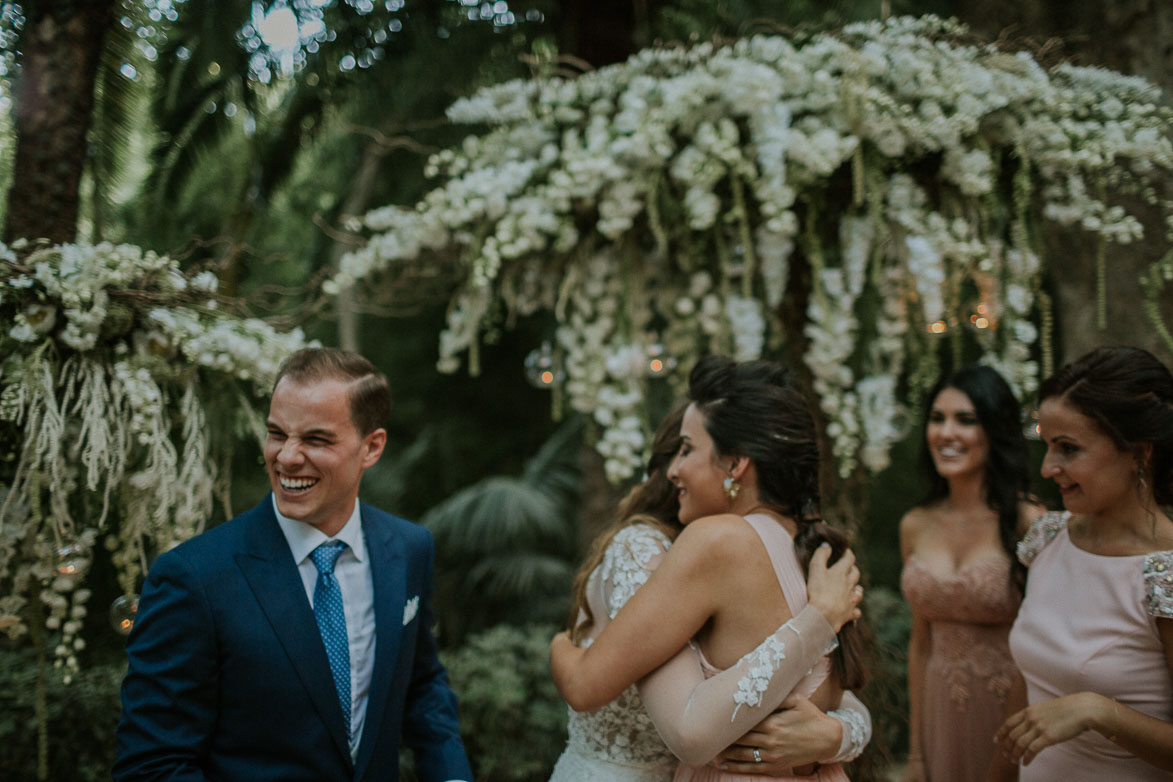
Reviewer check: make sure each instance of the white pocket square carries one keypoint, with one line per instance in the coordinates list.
(409, 609)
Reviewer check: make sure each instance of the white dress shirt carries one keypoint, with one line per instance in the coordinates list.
(353, 571)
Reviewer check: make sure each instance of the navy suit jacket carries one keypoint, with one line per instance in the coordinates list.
(228, 677)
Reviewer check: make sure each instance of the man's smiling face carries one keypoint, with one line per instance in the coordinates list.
(315, 454)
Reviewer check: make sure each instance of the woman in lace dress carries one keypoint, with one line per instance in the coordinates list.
(747, 482)
(961, 579)
(619, 742)
(1094, 635)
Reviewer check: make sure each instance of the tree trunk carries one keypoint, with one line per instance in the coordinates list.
(1133, 37)
(357, 200)
(61, 44)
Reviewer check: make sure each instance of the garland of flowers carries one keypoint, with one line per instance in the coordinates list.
(662, 206)
(113, 357)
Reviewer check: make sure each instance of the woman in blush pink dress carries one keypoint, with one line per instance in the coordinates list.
(621, 742)
(960, 577)
(1094, 635)
(747, 481)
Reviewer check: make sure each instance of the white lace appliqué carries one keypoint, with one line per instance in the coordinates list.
(1158, 581)
(856, 732)
(625, 563)
(622, 732)
(762, 662)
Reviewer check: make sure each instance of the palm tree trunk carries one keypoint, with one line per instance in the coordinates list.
(61, 44)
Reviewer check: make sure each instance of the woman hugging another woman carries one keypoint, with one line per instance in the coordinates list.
(746, 479)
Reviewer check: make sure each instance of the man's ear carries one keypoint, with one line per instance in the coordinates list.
(373, 445)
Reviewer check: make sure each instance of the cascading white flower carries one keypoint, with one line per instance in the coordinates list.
(108, 389)
(887, 164)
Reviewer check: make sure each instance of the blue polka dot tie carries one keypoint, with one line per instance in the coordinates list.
(332, 620)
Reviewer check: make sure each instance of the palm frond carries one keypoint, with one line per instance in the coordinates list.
(521, 574)
(495, 515)
(118, 105)
(555, 468)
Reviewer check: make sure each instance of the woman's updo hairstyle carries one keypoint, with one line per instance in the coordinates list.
(1129, 394)
(755, 409)
(758, 410)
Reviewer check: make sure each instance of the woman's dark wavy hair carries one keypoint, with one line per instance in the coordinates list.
(1008, 459)
(1128, 393)
(756, 409)
(652, 502)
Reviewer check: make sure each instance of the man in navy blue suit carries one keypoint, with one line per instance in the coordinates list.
(294, 642)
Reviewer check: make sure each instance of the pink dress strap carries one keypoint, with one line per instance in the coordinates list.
(780, 548)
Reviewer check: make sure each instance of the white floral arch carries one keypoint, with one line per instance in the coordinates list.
(109, 356)
(659, 207)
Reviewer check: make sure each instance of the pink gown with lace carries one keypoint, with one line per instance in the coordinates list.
(780, 546)
(969, 671)
(1089, 623)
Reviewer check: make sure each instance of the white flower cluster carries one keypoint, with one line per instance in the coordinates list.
(896, 161)
(111, 359)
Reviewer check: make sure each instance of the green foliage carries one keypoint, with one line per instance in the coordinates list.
(886, 695)
(82, 718)
(512, 720)
(506, 547)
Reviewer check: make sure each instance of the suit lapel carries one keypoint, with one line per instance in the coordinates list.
(272, 574)
(388, 576)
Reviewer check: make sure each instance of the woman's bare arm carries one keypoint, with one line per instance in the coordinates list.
(679, 597)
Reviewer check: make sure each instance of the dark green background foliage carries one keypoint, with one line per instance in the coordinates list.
(82, 718)
(511, 717)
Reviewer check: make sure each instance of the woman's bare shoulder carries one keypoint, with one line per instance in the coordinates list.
(914, 523)
(722, 534)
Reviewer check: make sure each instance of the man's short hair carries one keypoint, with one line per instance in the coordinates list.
(370, 394)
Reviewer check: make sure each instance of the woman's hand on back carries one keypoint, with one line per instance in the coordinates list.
(835, 591)
(798, 734)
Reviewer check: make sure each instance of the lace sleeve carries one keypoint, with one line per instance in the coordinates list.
(698, 717)
(628, 561)
(857, 727)
(1158, 581)
(1042, 531)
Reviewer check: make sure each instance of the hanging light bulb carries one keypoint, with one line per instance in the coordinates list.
(541, 370)
(122, 613)
(659, 363)
(1030, 425)
(72, 560)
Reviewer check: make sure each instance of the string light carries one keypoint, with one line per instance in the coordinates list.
(541, 369)
(658, 363)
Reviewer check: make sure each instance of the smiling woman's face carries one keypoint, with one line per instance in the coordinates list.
(955, 436)
(1092, 474)
(698, 477)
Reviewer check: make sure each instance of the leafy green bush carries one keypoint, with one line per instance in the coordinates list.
(512, 719)
(82, 718)
(886, 695)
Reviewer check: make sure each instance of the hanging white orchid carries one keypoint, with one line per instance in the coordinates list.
(894, 168)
